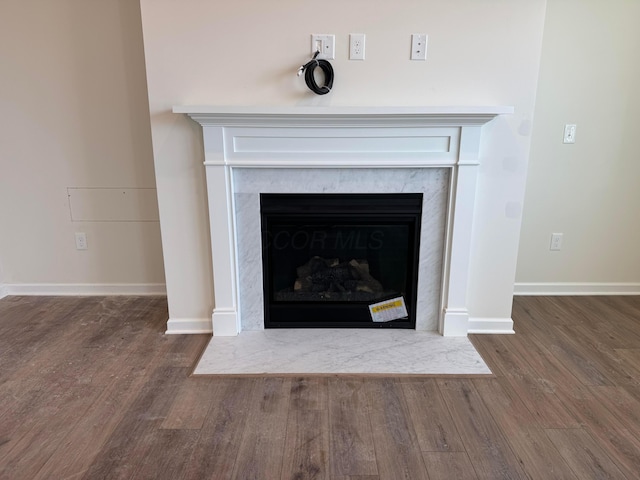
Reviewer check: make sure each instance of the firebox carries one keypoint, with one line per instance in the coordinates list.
(340, 260)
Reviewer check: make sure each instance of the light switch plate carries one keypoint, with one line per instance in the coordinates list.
(569, 133)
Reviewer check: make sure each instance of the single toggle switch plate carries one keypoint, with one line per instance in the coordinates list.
(569, 133)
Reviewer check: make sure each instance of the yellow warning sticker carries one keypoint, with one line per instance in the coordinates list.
(388, 310)
(386, 306)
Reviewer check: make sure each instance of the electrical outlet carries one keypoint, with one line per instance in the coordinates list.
(325, 44)
(356, 46)
(419, 46)
(81, 241)
(569, 133)
(556, 241)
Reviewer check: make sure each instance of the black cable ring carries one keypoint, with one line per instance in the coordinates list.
(310, 80)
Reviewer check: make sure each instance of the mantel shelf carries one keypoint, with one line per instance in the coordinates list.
(448, 115)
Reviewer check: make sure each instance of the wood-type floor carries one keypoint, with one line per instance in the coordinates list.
(91, 388)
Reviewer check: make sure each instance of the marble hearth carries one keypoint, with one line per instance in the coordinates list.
(433, 151)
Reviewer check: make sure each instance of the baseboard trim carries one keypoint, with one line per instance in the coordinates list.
(576, 289)
(485, 325)
(86, 289)
(190, 326)
(4, 292)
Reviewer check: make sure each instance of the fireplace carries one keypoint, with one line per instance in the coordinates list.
(340, 260)
(432, 151)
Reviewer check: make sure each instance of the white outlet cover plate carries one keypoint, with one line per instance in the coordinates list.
(556, 242)
(419, 46)
(326, 44)
(81, 241)
(356, 46)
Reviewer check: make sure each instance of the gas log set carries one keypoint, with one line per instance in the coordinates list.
(330, 279)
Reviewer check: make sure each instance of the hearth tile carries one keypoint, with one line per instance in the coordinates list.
(341, 351)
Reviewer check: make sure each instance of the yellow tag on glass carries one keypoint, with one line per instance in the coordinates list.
(388, 310)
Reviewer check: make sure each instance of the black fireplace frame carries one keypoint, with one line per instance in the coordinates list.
(387, 209)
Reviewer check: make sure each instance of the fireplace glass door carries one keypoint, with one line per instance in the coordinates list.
(340, 260)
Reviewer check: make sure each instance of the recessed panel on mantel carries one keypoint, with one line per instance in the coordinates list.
(424, 144)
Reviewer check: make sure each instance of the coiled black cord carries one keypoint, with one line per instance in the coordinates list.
(310, 79)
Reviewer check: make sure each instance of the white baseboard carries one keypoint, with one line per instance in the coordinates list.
(3, 291)
(490, 325)
(576, 289)
(191, 326)
(85, 289)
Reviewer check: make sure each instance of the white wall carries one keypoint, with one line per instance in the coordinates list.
(72, 73)
(590, 76)
(247, 52)
(73, 113)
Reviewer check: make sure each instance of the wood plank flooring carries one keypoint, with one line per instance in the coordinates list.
(91, 388)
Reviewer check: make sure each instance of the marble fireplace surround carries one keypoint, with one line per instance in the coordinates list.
(252, 150)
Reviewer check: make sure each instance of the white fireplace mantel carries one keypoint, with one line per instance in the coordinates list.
(342, 138)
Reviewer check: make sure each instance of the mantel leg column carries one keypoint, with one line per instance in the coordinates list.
(464, 178)
(225, 316)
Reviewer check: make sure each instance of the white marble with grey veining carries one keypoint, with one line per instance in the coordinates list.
(250, 182)
(341, 351)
